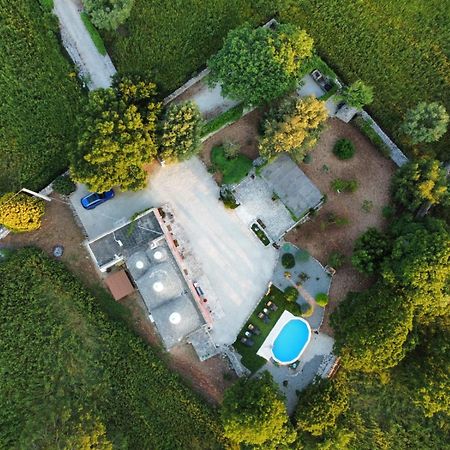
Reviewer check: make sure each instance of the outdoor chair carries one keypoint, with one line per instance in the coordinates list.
(272, 306)
(266, 312)
(248, 334)
(263, 317)
(254, 329)
(247, 342)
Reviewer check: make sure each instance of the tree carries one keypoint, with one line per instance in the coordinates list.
(423, 180)
(427, 122)
(253, 414)
(118, 136)
(293, 127)
(320, 405)
(181, 132)
(20, 212)
(419, 265)
(258, 65)
(372, 328)
(357, 95)
(370, 250)
(108, 14)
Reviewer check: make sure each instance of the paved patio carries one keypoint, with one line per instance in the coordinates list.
(232, 266)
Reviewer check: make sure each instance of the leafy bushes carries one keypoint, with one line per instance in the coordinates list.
(288, 260)
(257, 65)
(344, 149)
(20, 212)
(180, 132)
(291, 294)
(322, 299)
(306, 309)
(370, 250)
(95, 36)
(342, 185)
(40, 98)
(64, 185)
(53, 329)
(357, 95)
(229, 116)
(336, 260)
(233, 170)
(365, 127)
(108, 14)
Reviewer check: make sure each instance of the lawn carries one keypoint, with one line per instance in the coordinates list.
(41, 98)
(232, 170)
(399, 47)
(95, 36)
(170, 40)
(249, 357)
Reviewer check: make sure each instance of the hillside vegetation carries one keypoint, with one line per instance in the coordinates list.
(71, 377)
(401, 48)
(40, 97)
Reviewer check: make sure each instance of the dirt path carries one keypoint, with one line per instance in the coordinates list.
(97, 69)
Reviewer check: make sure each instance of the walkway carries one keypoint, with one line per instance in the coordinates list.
(96, 69)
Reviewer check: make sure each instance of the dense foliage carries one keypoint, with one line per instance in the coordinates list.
(21, 212)
(288, 260)
(64, 185)
(108, 14)
(400, 48)
(180, 135)
(71, 376)
(169, 40)
(293, 126)
(291, 294)
(357, 95)
(344, 149)
(40, 98)
(253, 414)
(257, 65)
(419, 181)
(427, 122)
(118, 136)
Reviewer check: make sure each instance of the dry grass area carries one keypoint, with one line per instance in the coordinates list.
(373, 173)
(59, 227)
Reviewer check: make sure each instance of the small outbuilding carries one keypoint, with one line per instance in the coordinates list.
(119, 284)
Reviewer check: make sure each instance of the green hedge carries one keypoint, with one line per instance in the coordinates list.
(230, 116)
(366, 128)
(95, 36)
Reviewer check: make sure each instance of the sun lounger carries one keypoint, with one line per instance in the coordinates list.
(272, 306)
(254, 329)
(247, 342)
(263, 317)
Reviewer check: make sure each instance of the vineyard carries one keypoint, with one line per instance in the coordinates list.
(70, 374)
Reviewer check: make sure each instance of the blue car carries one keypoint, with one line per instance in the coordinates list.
(94, 199)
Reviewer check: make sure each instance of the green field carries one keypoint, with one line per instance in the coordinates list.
(69, 370)
(40, 98)
(401, 48)
(170, 40)
(232, 170)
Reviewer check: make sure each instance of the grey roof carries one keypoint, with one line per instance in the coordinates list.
(190, 319)
(126, 240)
(293, 187)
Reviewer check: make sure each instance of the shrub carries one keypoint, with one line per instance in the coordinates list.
(336, 260)
(388, 212)
(64, 185)
(291, 294)
(367, 206)
(227, 117)
(231, 149)
(322, 299)
(341, 185)
(365, 126)
(108, 14)
(357, 94)
(288, 260)
(344, 149)
(20, 212)
(306, 309)
(96, 38)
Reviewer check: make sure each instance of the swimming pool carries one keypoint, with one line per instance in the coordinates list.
(291, 341)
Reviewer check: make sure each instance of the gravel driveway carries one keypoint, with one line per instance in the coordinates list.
(234, 266)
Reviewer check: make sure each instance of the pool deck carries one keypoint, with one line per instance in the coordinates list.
(265, 351)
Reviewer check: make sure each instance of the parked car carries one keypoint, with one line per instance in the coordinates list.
(94, 199)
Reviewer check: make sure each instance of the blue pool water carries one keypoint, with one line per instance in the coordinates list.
(291, 341)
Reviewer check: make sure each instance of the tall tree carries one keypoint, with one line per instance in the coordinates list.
(20, 212)
(293, 126)
(422, 180)
(108, 14)
(118, 136)
(253, 414)
(358, 94)
(258, 65)
(181, 130)
(427, 122)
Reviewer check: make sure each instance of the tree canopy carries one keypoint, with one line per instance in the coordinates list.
(253, 414)
(293, 126)
(20, 212)
(418, 181)
(258, 65)
(108, 14)
(181, 131)
(427, 122)
(358, 94)
(118, 136)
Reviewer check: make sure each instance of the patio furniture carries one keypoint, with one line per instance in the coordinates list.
(247, 342)
(263, 317)
(266, 312)
(254, 329)
(294, 365)
(271, 306)
(248, 334)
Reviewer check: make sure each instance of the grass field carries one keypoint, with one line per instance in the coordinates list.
(40, 98)
(232, 170)
(170, 40)
(401, 48)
